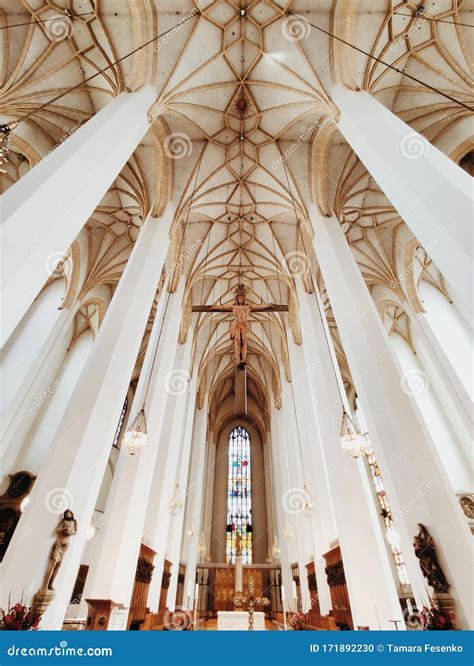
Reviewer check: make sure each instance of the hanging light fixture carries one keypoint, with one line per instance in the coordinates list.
(276, 548)
(287, 533)
(5, 142)
(352, 442)
(192, 531)
(202, 545)
(176, 503)
(136, 437)
(307, 506)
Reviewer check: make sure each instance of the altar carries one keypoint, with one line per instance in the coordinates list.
(239, 621)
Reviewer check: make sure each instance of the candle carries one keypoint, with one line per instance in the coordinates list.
(196, 591)
(282, 593)
(293, 588)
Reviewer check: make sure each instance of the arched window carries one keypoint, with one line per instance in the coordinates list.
(239, 497)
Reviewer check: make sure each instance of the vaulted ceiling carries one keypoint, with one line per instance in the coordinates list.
(245, 132)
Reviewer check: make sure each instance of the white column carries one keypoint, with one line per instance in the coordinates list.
(30, 361)
(74, 468)
(194, 505)
(210, 468)
(370, 583)
(44, 212)
(54, 403)
(112, 577)
(158, 514)
(181, 473)
(432, 194)
(304, 362)
(281, 484)
(294, 494)
(416, 481)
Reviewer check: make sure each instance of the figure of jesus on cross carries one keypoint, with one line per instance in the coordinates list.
(239, 327)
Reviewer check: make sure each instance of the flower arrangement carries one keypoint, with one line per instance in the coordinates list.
(436, 619)
(298, 621)
(178, 620)
(21, 618)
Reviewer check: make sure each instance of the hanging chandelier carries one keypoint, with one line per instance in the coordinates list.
(307, 506)
(176, 502)
(202, 545)
(5, 142)
(287, 533)
(276, 548)
(352, 442)
(192, 531)
(136, 437)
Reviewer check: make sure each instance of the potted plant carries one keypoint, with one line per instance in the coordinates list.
(298, 621)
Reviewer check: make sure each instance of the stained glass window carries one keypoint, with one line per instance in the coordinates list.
(118, 431)
(239, 497)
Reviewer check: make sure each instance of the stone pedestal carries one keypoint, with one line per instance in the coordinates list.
(443, 601)
(238, 574)
(42, 600)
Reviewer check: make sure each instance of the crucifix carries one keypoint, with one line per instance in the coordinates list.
(240, 599)
(239, 327)
(238, 334)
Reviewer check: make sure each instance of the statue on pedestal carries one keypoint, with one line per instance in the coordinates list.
(425, 551)
(65, 530)
(238, 567)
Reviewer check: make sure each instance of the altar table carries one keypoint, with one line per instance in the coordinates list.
(239, 621)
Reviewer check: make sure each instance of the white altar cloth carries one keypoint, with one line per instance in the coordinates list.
(239, 621)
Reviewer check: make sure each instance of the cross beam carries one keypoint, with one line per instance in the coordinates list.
(264, 308)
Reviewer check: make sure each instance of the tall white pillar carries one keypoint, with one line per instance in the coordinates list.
(159, 515)
(432, 194)
(210, 469)
(123, 521)
(194, 505)
(181, 474)
(44, 211)
(288, 553)
(370, 583)
(74, 467)
(416, 481)
(30, 362)
(293, 495)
